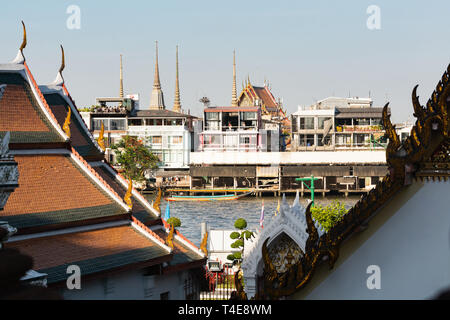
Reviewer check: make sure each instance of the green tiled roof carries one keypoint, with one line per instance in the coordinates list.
(62, 216)
(99, 264)
(85, 150)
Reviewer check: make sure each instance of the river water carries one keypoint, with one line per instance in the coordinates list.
(223, 214)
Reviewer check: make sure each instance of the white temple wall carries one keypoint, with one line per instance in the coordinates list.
(408, 239)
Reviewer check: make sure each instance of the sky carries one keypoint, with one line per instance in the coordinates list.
(307, 50)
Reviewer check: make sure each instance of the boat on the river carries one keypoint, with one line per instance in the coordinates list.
(224, 197)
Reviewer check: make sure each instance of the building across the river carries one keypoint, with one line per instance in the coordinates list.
(338, 124)
(168, 133)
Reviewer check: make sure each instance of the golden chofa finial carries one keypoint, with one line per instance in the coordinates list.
(204, 243)
(24, 41)
(66, 126)
(101, 138)
(170, 236)
(63, 60)
(127, 197)
(20, 58)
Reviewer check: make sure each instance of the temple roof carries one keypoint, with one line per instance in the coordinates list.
(59, 101)
(93, 251)
(54, 189)
(23, 114)
(141, 208)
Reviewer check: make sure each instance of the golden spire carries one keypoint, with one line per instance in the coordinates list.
(101, 138)
(177, 102)
(66, 126)
(121, 78)
(156, 82)
(127, 197)
(234, 102)
(157, 97)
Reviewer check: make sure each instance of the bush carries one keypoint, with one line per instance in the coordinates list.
(328, 216)
(174, 221)
(240, 224)
(234, 235)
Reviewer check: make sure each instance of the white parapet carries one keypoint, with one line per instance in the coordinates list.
(286, 158)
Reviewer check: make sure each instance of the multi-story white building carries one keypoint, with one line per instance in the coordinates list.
(338, 123)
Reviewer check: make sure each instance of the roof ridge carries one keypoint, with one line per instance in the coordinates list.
(134, 192)
(89, 167)
(178, 233)
(147, 229)
(44, 102)
(66, 91)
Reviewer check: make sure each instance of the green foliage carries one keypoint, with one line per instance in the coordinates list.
(248, 234)
(231, 257)
(134, 158)
(328, 216)
(174, 221)
(237, 255)
(240, 224)
(234, 235)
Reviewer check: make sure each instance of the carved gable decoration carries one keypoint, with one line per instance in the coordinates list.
(286, 237)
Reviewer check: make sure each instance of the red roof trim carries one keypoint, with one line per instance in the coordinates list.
(178, 233)
(147, 229)
(88, 166)
(41, 96)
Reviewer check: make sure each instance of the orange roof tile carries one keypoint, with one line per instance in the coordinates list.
(66, 248)
(51, 183)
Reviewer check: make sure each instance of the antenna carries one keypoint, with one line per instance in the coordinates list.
(205, 101)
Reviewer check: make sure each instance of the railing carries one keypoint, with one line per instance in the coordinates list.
(220, 284)
(359, 128)
(231, 128)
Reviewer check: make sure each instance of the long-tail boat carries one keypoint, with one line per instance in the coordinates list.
(225, 197)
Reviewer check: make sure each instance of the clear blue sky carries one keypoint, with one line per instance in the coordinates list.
(308, 50)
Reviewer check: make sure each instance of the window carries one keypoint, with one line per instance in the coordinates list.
(117, 124)
(322, 121)
(245, 140)
(135, 122)
(309, 140)
(294, 123)
(212, 115)
(97, 124)
(326, 141)
(156, 139)
(306, 123)
(176, 140)
(249, 116)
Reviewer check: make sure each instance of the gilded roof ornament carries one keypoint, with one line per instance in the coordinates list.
(101, 137)
(127, 197)
(204, 243)
(156, 204)
(66, 126)
(20, 58)
(170, 236)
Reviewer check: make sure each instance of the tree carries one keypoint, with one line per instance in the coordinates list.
(239, 238)
(174, 221)
(328, 216)
(134, 158)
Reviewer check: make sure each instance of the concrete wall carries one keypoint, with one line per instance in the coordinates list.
(276, 158)
(408, 239)
(132, 285)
